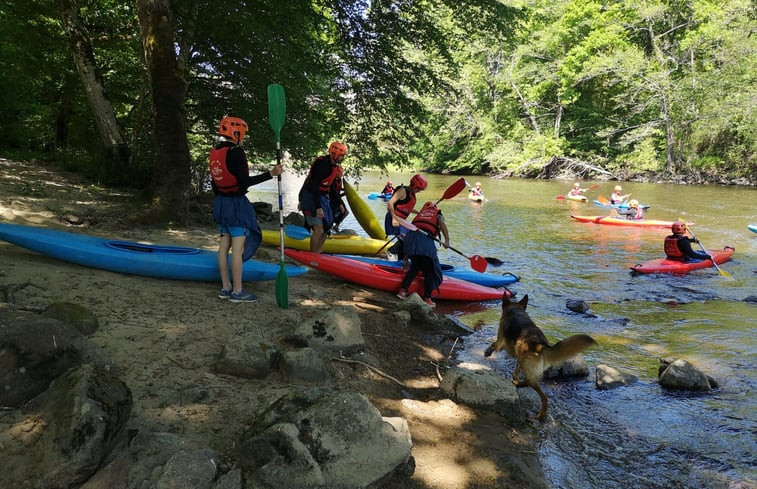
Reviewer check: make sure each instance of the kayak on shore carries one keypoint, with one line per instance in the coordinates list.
(485, 279)
(298, 238)
(663, 265)
(619, 221)
(134, 258)
(363, 213)
(388, 278)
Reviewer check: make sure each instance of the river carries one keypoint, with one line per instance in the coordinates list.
(640, 435)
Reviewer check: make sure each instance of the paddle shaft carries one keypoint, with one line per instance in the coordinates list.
(276, 117)
(712, 258)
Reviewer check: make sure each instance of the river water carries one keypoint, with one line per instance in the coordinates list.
(640, 435)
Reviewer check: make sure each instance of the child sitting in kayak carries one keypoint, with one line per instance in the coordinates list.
(678, 245)
(633, 212)
(616, 198)
(577, 191)
(477, 191)
(388, 189)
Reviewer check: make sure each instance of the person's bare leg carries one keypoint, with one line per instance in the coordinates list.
(237, 249)
(223, 261)
(317, 238)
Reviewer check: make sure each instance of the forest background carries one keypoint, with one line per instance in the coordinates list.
(131, 92)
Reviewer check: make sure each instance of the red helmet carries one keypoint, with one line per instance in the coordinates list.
(678, 227)
(418, 182)
(233, 127)
(337, 149)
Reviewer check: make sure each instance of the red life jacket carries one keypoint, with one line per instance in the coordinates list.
(325, 185)
(428, 220)
(338, 184)
(403, 207)
(225, 181)
(672, 250)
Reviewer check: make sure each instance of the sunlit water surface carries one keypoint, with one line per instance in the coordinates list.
(638, 436)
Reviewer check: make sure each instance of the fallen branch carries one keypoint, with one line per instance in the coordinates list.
(371, 367)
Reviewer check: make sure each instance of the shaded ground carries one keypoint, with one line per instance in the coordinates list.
(164, 337)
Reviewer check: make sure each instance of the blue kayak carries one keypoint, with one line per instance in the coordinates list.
(149, 260)
(379, 195)
(485, 279)
(752, 227)
(623, 205)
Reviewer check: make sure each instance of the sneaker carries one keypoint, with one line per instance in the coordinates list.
(224, 294)
(402, 294)
(430, 302)
(243, 296)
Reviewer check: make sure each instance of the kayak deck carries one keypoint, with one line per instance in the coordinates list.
(617, 221)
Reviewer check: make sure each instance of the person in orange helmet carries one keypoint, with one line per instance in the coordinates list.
(678, 245)
(232, 210)
(316, 191)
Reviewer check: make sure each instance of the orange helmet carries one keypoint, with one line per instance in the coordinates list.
(418, 182)
(618, 188)
(633, 204)
(233, 127)
(678, 227)
(337, 149)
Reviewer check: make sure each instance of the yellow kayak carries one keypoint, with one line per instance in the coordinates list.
(363, 213)
(342, 244)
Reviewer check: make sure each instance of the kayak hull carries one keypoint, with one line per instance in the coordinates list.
(616, 221)
(485, 279)
(476, 198)
(134, 258)
(387, 278)
(752, 227)
(663, 265)
(363, 213)
(577, 198)
(341, 244)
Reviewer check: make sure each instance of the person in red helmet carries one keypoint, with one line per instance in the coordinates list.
(401, 205)
(315, 194)
(388, 189)
(232, 210)
(678, 245)
(420, 246)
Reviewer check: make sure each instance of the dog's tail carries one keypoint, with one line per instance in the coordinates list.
(566, 349)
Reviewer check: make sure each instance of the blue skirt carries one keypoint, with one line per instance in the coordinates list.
(237, 211)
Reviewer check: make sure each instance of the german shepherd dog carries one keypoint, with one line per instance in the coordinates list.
(523, 340)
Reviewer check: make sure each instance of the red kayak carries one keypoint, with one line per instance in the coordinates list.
(664, 265)
(620, 221)
(387, 278)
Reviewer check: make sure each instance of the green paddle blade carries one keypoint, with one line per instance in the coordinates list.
(282, 287)
(277, 108)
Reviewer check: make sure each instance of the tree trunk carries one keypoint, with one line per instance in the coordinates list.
(110, 132)
(170, 187)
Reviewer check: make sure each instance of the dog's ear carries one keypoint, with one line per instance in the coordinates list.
(524, 302)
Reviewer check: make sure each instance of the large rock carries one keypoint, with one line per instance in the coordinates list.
(319, 438)
(682, 375)
(336, 331)
(65, 433)
(478, 385)
(34, 350)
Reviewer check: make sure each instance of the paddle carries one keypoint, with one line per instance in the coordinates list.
(596, 185)
(454, 189)
(721, 272)
(276, 116)
(477, 262)
(296, 232)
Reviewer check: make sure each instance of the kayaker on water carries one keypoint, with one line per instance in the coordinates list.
(678, 245)
(477, 191)
(616, 197)
(420, 247)
(577, 191)
(232, 210)
(388, 188)
(402, 204)
(314, 197)
(633, 212)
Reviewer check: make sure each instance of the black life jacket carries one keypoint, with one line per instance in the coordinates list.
(404, 206)
(324, 185)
